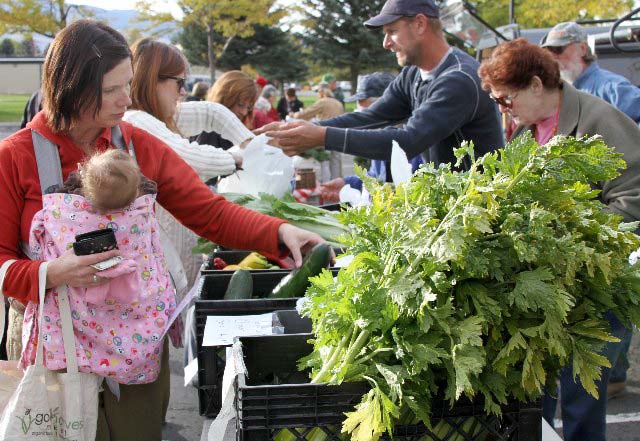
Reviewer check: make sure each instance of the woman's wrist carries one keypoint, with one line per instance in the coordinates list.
(52, 275)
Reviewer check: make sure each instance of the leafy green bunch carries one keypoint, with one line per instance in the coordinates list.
(304, 216)
(480, 282)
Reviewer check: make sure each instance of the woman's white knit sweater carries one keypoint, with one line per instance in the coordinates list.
(208, 161)
(192, 118)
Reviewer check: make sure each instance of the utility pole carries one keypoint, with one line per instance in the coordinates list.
(512, 10)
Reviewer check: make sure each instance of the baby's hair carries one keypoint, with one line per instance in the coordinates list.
(110, 180)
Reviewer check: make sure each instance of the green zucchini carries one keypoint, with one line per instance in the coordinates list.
(240, 286)
(296, 282)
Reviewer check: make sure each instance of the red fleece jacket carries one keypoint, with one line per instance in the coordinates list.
(180, 191)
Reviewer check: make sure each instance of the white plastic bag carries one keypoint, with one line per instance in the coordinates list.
(400, 165)
(265, 169)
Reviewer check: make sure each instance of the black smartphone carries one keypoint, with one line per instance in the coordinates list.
(93, 242)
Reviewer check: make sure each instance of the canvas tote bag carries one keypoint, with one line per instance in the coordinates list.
(10, 373)
(49, 405)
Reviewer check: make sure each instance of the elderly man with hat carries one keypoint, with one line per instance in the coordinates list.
(438, 94)
(370, 89)
(567, 42)
(330, 80)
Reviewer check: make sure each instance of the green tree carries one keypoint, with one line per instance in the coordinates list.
(546, 13)
(337, 37)
(43, 17)
(28, 47)
(7, 47)
(270, 51)
(230, 19)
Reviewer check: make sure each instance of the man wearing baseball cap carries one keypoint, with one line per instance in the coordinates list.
(438, 94)
(567, 42)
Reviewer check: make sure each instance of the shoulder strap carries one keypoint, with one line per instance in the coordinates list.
(48, 161)
(48, 157)
(118, 140)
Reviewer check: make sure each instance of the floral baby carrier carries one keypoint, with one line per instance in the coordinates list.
(120, 340)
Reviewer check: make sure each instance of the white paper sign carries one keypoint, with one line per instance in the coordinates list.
(220, 330)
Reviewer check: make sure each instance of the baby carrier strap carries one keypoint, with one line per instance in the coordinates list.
(50, 168)
(48, 157)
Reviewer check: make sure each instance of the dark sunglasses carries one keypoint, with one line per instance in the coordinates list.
(179, 80)
(558, 50)
(504, 101)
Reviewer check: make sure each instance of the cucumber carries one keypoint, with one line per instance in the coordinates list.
(240, 286)
(295, 283)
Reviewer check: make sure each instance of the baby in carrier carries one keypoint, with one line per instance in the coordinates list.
(119, 325)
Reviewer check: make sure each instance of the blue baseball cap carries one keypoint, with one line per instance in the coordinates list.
(371, 86)
(395, 9)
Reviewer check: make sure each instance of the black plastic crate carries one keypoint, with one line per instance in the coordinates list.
(210, 359)
(274, 396)
(215, 283)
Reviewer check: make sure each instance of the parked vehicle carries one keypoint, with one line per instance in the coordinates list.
(615, 43)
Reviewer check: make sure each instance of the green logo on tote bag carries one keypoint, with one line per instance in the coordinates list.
(45, 422)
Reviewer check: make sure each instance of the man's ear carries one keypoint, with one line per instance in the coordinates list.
(584, 48)
(421, 23)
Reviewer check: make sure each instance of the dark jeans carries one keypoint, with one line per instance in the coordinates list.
(584, 417)
(621, 365)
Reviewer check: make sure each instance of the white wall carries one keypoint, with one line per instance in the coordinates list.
(20, 75)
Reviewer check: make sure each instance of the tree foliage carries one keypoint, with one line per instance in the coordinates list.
(42, 17)
(547, 13)
(270, 50)
(7, 47)
(337, 38)
(229, 19)
(28, 47)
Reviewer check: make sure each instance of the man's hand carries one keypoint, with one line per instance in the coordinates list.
(298, 241)
(330, 191)
(295, 137)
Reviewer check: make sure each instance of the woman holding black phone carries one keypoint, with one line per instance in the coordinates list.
(86, 77)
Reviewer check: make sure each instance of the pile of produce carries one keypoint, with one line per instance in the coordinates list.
(253, 261)
(472, 283)
(308, 217)
(304, 216)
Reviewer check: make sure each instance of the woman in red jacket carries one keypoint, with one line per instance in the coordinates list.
(86, 80)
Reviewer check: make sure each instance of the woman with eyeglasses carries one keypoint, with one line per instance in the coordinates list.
(157, 91)
(237, 92)
(524, 81)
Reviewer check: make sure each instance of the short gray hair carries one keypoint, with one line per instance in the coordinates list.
(269, 91)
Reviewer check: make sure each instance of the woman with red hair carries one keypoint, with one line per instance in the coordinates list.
(524, 81)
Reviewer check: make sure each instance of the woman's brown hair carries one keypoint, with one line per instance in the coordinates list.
(152, 62)
(233, 87)
(74, 67)
(514, 64)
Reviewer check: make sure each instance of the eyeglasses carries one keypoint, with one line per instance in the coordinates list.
(557, 50)
(504, 101)
(179, 80)
(244, 107)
